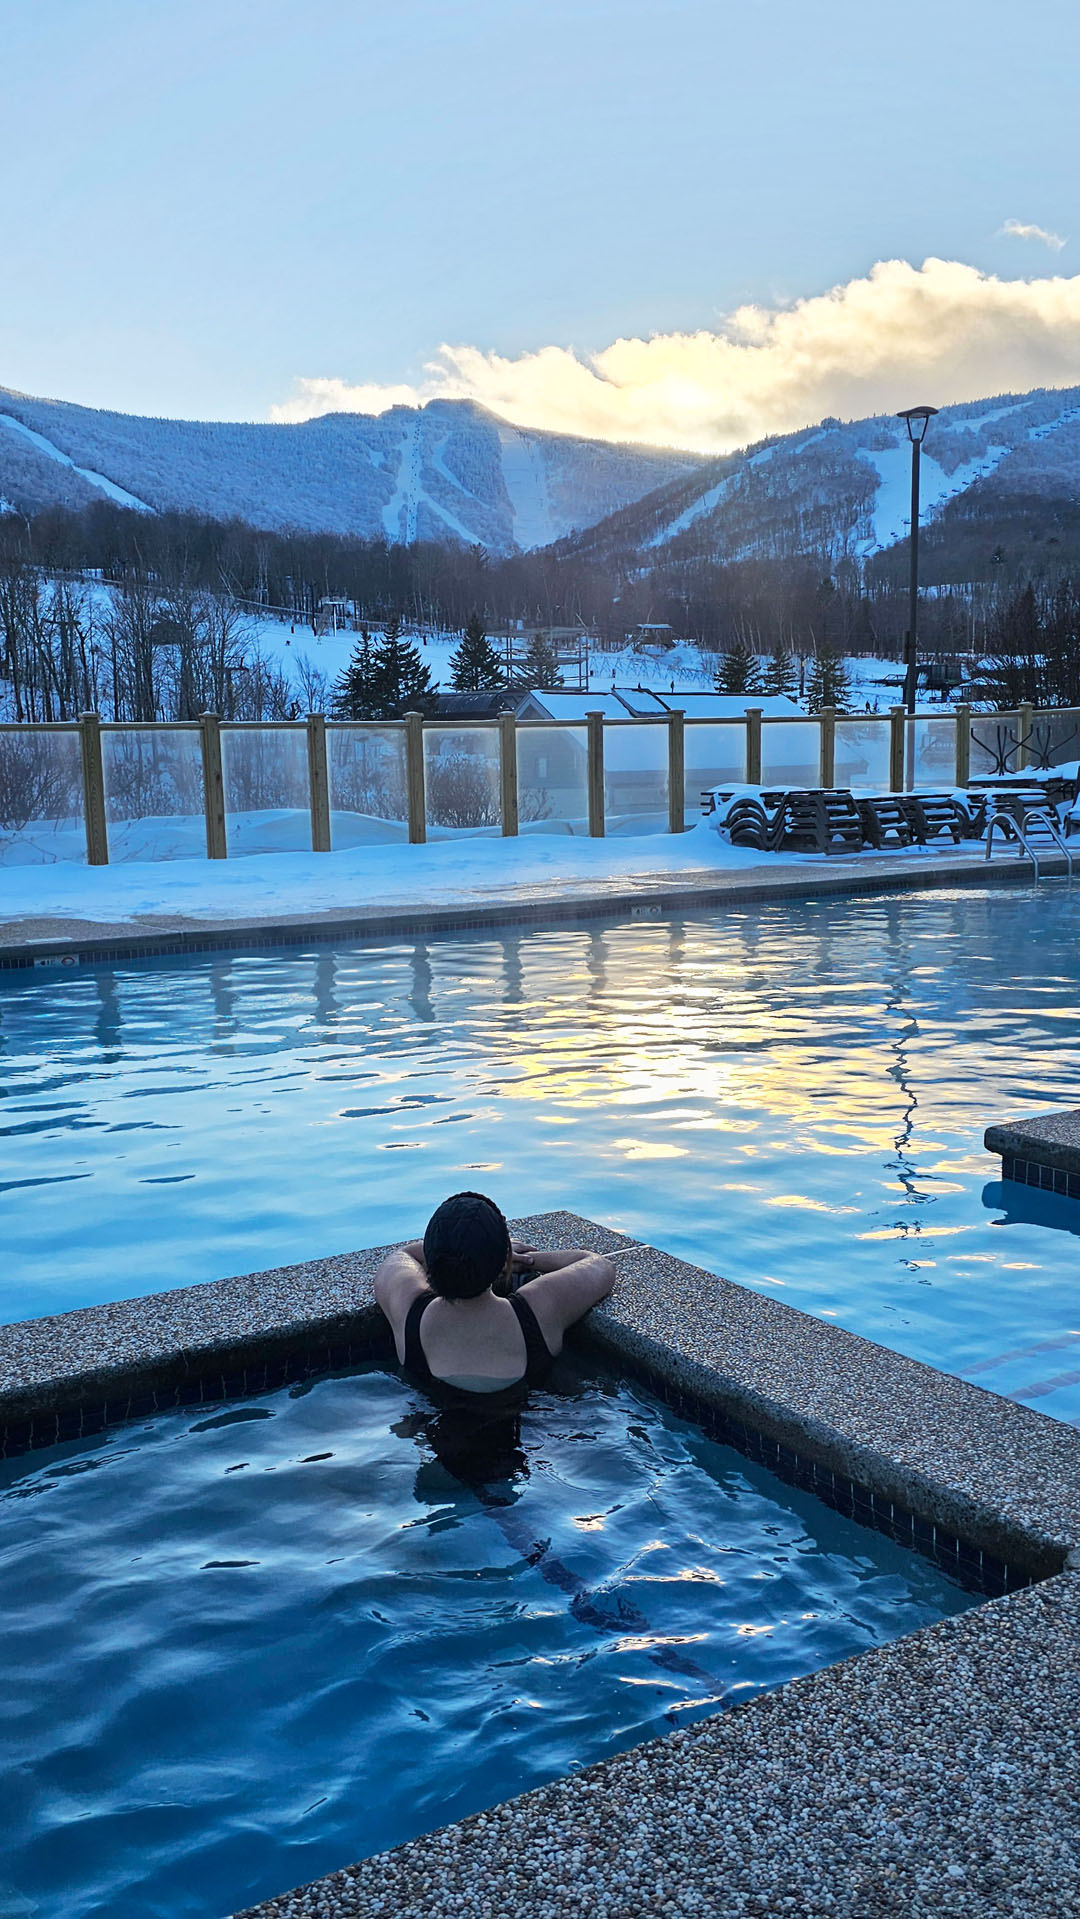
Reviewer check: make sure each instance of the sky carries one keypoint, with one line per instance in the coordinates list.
(687, 222)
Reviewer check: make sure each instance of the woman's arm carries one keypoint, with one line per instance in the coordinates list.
(566, 1285)
(398, 1279)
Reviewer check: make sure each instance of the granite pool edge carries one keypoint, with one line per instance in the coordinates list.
(1040, 1149)
(993, 1466)
(557, 904)
(1000, 1475)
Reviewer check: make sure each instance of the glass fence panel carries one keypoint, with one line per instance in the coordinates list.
(715, 755)
(862, 754)
(994, 744)
(41, 799)
(553, 786)
(635, 778)
(267, 800)
(368, 794)
(932, 743)
(154, 793)
(1055, 739)
(461, 779)
(790, 755)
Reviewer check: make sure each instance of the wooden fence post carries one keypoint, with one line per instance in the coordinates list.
(213, 786)
(415, 787)
(508, 775)
(827, 747)
(897, 722)
(963, 745)
(1025, 726)
(93, 780)
(676, 772)
(318, 782)
(595, 724)
(753, 746)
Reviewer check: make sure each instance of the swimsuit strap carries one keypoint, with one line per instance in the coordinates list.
(415, 1358)
(538, 1358)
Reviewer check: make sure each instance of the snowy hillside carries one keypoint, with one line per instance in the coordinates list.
(446, 471)
(844, 489)
(682, 669)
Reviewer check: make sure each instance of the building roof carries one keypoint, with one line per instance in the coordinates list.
(625, 702)
(731, 706)
(477, 706)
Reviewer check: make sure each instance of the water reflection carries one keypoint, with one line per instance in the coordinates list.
(794, 1094)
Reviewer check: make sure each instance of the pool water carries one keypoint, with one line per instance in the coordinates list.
(792, 1094)
(219, 1684)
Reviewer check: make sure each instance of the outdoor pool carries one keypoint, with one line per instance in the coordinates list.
(791, 1094)
(219, 1684)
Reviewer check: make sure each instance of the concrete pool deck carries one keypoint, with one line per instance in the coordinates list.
(43, 940)
(937, 1775)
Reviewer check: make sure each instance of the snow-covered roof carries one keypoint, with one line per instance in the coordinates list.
(631, 702)
(573, 706)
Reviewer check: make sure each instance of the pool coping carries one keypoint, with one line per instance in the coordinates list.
(526, 904)
(1042, 1149)
(937, 1456)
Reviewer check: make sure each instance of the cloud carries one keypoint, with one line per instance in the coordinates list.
(1019, 230)
(940, 333)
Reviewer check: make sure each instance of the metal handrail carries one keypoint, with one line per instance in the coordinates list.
(1011, 829)
(1039, 816)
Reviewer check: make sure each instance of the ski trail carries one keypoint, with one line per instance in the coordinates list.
(526, 483)
(38, 440)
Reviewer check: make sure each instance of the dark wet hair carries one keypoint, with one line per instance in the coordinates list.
(466, 1245)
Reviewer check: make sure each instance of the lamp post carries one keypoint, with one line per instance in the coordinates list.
(916, 419)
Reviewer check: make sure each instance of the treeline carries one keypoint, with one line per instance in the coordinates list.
(140, 650)
(795, 605)
(168, 639)
(1033, 647)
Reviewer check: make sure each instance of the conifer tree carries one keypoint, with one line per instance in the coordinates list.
(829, 683)
(737, 671)
(540, 666)
(357, 690)
(475, 666)
(403, 682)
(781, 674)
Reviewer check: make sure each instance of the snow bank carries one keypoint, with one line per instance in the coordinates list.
(284, 884)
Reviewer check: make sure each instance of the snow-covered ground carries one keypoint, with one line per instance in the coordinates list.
(683, 669)
(462, 870)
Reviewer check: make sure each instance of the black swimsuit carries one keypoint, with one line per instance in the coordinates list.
(538, 1360)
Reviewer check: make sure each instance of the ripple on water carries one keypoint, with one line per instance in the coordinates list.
(241, 1647)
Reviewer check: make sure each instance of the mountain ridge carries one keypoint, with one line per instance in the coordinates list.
(449, 470)
(841, 489)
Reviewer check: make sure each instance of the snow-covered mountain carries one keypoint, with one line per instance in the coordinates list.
(446, 471)
(844, 489)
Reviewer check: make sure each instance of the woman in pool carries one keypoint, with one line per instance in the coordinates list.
(473, 1310)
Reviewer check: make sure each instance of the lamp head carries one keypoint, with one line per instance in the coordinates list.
(917, 419)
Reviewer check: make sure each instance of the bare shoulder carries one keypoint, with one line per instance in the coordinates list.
(398, 1280)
